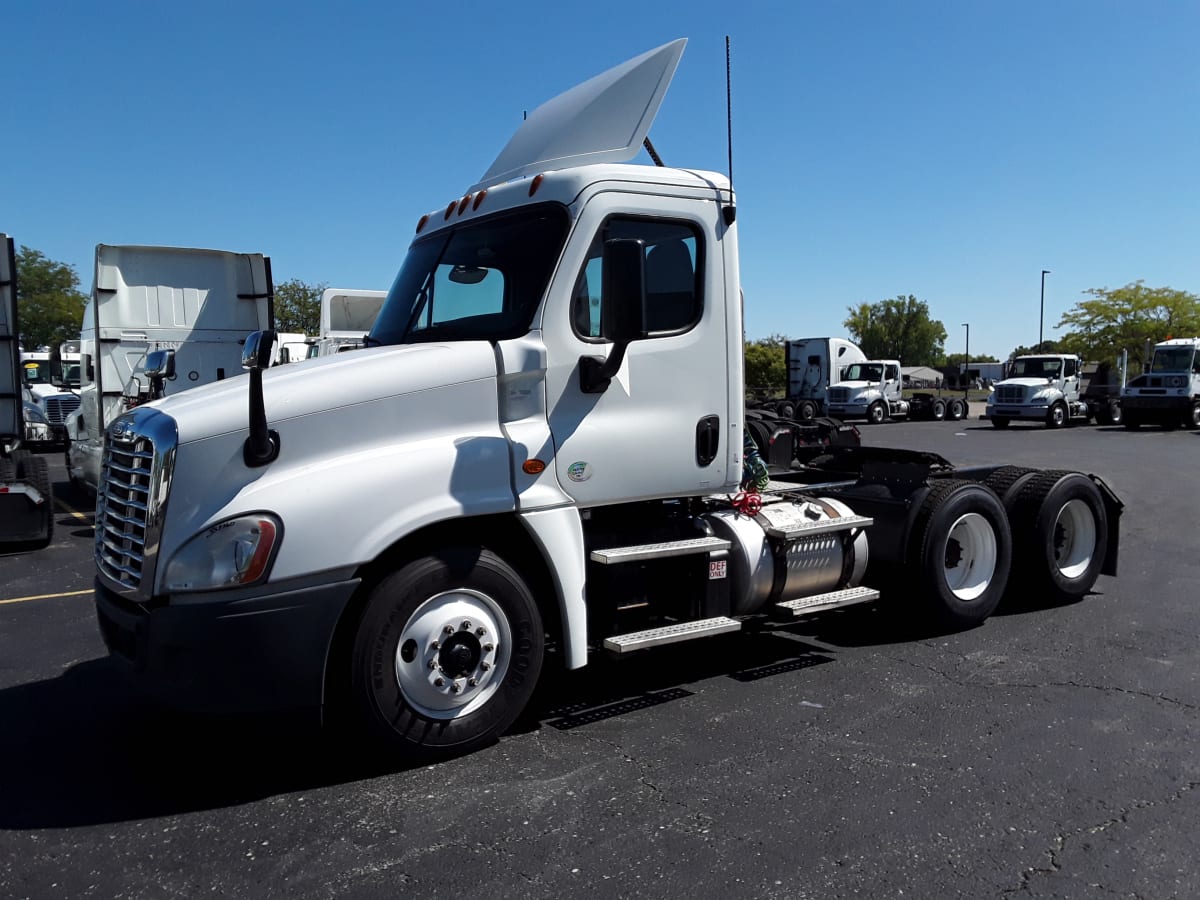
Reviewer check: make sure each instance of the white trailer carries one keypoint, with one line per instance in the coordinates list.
(346, 317)
(404, 530)
(195, 305)
(26, 498)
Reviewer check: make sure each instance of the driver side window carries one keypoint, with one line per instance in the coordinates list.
(673, 284)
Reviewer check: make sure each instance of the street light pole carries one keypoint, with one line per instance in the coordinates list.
(967, 358)
(1042, 314)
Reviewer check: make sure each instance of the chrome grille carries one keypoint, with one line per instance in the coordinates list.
(1009, 393)
(839, 395)
(139, 452)
(58, 408)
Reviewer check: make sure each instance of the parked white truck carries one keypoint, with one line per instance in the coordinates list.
(1169, 393)
(874, 390)
(1042, 388)
(814, 365)
(52, 386)
(538, 448)
(346, 317)
(197, 306)
(26, 500)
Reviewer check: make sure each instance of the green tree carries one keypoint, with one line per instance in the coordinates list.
(898, 329)
(1126, 318)
(49, 303)
(766, 369)
(1043, 347)
(298, 307)
(956, 359)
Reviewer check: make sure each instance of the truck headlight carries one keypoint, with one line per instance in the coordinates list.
(232, 553)
(1040, 396)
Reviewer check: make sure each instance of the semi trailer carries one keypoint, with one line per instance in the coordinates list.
(537, 457)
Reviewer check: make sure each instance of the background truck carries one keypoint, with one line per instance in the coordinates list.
(198, 305)
(346, 317)
(874, 390)
(537, 456)
(1043, 388)
(52, 386)
(26, 499)
(1169, 393)
(813, 366)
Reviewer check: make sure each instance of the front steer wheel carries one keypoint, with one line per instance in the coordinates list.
(962, 549)
(447, 654)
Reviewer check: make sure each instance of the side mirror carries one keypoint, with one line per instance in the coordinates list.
(622, 310)
(256, 354)
(160, 364)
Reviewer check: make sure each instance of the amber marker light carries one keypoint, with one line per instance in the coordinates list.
(478, 199)
(533, 467)
(462, 204)
(450, 209)
(422, 222)
(537, 183)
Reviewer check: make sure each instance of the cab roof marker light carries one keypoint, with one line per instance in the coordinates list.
(536, 183)
(478, 199)
(450, 209)
(422, 222)
(463, 204)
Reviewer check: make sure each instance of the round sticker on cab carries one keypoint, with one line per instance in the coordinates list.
(579, 471)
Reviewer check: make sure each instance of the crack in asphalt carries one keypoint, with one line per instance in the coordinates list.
(1058, 846)
(1103, 688)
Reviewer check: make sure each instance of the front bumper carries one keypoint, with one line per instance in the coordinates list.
(263, 648)
(1156, 404)
(1021, 413)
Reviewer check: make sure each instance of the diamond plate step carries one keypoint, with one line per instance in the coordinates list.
(670, 634)
(613, 555)
(834, 599)
(821, 526)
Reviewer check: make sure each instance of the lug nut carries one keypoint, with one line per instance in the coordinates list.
(434, 645)
(488, 648)
(433, 664)
(438, 682)
(449, 629)
(454, 688)
(480, 631)
(485, 666)
(466, 626)
(472, 682)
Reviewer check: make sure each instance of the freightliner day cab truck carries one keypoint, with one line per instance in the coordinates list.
(535, 458)
(874, 390)
(196, 306)
(26, 502)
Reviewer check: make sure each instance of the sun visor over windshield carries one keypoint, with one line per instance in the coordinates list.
(605, 119)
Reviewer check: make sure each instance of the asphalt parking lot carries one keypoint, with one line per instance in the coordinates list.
(1048, 753)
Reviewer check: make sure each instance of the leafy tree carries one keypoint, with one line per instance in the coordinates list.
(1126, 318)
(956, 359)
(1043, 347)
(49, 303)
(298, 307)
(766, 368)
(898, 329)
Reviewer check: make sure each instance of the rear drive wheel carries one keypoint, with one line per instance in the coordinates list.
(876, 414)
(1192, 418)
(956, 410)
(1062, 535)
(786, 410)
(1008, 480)
(36, 471)
(808, 411)
(1114, 411)
(939, 410)
(962, 548)
(447, 653)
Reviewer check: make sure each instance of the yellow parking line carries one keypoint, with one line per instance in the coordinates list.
(76, 513)
(45, 596)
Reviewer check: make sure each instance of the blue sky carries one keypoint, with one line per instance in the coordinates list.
(950, 150)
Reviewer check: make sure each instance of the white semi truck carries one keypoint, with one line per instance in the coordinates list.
(26, 498)
(874, 390)
(538, 449)
(52, 385)
(1168, 394)
(346, 317)
(814, 365)
(197, 306)
(1042, 388)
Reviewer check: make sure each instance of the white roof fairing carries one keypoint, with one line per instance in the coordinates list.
(604, 119)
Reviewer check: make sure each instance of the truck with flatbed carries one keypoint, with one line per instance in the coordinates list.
(536, 457)
(1168, 393)
(26, 498)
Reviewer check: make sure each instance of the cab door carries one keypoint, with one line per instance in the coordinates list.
(665, 423)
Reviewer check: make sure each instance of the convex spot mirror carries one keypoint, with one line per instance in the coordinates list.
(256, 354)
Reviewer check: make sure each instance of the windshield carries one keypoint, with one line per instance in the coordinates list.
(1036, 367)
(1172, 359)
(36, 372)
(71, 374)
(482, 281)
(863, 372)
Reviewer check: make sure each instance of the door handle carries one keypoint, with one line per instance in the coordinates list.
(708, 439)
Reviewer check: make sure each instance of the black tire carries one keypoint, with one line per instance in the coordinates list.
(1062, 535)
(1131, 424)
(808, 411)
(1101, 411)
(1008, 480)
(997, 422)
(1114, 411)
(760, 431)
(937, 410)
(417, 711)
(876, 413)
(1057, 416)
(957, 410)
(36, 471)
(1192, 418)
(961, 548)
(786, 410)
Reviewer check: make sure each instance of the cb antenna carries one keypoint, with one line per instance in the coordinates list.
(729, 213)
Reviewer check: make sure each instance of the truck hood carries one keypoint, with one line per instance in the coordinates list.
(313, 386)
(858, 385)
(1025, 382)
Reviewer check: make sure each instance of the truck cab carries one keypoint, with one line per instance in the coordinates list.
(871, 390)
(1043, 388)
(1168, 394)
